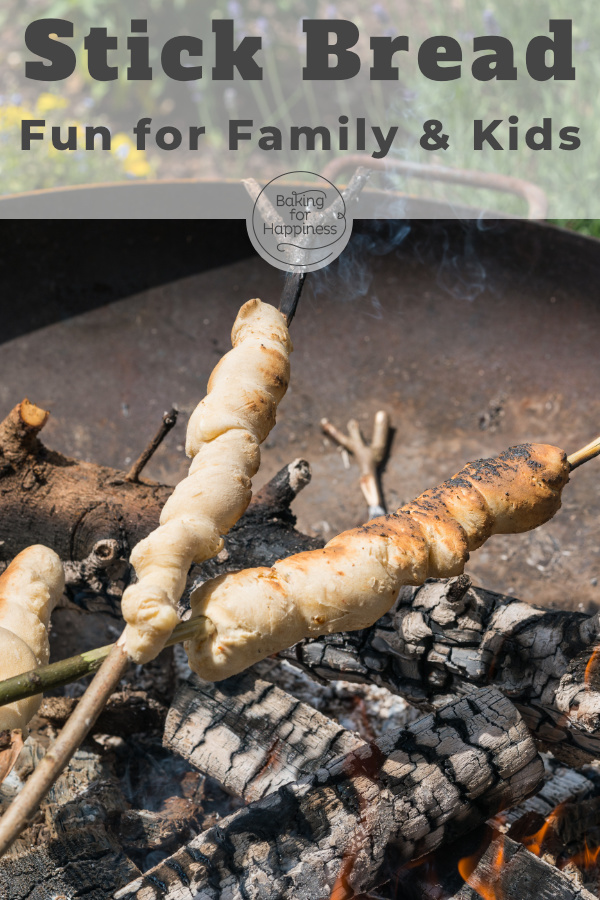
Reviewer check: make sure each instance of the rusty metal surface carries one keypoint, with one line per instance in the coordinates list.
(472, 339)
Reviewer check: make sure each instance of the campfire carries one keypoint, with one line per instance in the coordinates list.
(262, 772)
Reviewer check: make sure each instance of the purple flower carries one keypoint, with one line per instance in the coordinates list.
(234, 9)
(491, 22)
(381, 13)
(262, 29)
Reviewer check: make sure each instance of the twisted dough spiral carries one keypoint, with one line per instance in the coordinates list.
(223, 438)
(29, 590)
(355, 579)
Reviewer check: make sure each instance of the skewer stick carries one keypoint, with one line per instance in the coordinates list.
(585, 454)
(65, 671)
(58, 755)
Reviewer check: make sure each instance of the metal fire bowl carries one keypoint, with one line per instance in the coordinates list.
(473, 338)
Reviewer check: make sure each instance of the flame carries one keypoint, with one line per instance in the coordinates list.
(487, 888)
(590, 669)
(535, 842)
(341, 890)
(587, 859)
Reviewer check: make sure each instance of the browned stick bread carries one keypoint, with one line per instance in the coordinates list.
(355, 579)
(29, 590)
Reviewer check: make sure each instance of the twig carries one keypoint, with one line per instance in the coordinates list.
(369, 456)
(169, 420)
(60, 752)
(348, 195)
(357, 183)
(590, 451)
(265, 207)
(65, 671)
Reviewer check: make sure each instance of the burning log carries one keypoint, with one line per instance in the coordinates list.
(562, 786)
(447, 636)
(416, 787)
(250, 735)
(503, 869)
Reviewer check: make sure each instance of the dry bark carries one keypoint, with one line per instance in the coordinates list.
(415, 788)
(93, 516)
(250, 735)
(446, 637)
(64, 503)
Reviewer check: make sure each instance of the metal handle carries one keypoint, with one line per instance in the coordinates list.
(534, 196)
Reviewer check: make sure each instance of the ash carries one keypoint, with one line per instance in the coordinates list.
(365, 709)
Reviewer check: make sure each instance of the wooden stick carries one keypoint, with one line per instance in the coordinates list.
(292, 288)
(169, 420)
(65, 671)
(590, 451)
(60, 752)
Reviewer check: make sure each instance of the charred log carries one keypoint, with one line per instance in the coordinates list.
(85, 863)
(446, 637)
(127, 712)
(250, 735)
(416, 788)
(70, 851)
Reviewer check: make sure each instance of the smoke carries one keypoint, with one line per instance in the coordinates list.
(462, 275)
(452, 251)
(351, 275)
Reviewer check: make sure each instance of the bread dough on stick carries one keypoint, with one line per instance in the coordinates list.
(223, 438)
(355, 579)
(30, 588)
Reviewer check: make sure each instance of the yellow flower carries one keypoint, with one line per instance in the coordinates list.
(12, 116)
(134, 161)
(46, 102)
(65, 135)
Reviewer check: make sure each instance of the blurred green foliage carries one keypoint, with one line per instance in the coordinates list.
(283, 98)
(589, 227)
(46, 167)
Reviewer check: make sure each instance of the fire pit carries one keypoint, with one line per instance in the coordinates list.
(472, 337)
